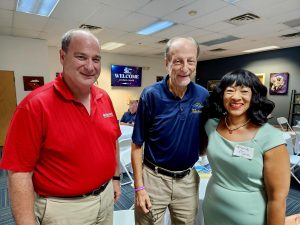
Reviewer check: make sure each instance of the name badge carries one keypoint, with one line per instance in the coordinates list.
(243, 151)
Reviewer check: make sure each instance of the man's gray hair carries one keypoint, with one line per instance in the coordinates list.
(172, 40)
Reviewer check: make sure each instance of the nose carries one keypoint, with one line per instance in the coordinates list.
(89, 65)
(184, 66)
(236, 95)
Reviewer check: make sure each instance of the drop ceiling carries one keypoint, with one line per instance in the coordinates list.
(121, 19)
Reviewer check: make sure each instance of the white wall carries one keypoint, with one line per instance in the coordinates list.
(26, 57)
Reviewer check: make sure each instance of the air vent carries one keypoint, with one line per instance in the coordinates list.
(164, 41)
(220, 40)
(243, 19)
(293, 23)
(91, 28)
(290, 36)
(218, 50)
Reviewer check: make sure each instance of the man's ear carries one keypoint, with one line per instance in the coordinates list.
(62, 56)
(166, 62)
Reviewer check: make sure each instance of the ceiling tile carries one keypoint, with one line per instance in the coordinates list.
(8, 4)
(203, 7)
(134, 22)
(157, 9)
(5, 30)
(18, 32)
(29, 21)
(6, 18)
(128, 4)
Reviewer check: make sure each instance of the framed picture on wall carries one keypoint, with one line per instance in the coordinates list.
(279, 83)
(211, 84)
(32, 82)
(261, 77)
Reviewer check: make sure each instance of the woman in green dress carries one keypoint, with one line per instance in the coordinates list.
(250, 163)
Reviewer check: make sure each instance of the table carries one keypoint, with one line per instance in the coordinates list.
(124, 217)
(126, 132)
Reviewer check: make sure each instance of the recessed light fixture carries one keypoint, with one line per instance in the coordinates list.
(111, 45)
(231, 1)
(153, 28)
(261, 49)
(37, 7)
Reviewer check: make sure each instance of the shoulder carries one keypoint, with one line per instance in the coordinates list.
(269, 137)
(211, 125)
(38, 95)
(153, 89)
(199, 89)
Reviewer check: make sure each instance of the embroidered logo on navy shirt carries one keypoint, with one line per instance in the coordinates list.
(106, 115)
(197, 107)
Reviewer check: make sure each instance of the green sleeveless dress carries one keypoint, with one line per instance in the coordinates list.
(235, 193)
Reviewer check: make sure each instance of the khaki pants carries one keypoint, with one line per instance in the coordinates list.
(90, 210)
(179, 195)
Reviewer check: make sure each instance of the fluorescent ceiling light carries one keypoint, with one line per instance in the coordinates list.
(261, 49)
(231, 1)
(38, 7)
(156, 27)
(111, 45)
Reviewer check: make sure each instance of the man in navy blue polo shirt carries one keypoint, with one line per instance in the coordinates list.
(169, 123)
(129, 116)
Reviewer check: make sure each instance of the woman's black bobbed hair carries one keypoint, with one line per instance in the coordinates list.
(260, 106)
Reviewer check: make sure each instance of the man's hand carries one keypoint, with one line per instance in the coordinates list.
(117, 190)
(143, 201)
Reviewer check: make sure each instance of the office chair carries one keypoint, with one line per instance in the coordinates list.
(282, 121)
(294, 158)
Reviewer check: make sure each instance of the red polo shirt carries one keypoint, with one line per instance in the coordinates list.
(69, 151)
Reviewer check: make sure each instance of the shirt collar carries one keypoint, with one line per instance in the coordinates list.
(167, 90)
(66, 93)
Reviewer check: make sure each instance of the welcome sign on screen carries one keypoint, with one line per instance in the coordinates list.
(126, 76)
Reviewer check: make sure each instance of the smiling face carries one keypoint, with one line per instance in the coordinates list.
(181, 62)
(81, 61)
(236, 100)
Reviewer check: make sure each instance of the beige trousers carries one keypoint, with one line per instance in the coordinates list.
(179, 195)
(90, 210)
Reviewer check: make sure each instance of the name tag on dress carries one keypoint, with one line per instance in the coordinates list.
(243, 151)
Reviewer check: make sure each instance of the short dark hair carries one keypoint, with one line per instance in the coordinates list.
(170, 42)
(67, 37)
(260, 106)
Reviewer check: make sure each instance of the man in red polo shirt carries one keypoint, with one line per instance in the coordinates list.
(61, 148)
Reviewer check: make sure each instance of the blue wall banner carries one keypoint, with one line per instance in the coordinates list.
(126, 76)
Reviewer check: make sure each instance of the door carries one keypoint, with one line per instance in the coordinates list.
(8, 101)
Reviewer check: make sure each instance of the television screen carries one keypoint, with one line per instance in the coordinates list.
(126, 76)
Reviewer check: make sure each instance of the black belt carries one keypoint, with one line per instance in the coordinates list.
(93, 192)
(173, 174)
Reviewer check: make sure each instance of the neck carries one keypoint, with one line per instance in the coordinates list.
(177, 91)
(237, 124)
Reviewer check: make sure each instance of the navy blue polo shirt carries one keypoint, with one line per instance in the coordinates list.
(128, 117)
(169, 126)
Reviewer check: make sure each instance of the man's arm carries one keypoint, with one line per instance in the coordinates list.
(142, 197)
(21, 194)
(117, 183)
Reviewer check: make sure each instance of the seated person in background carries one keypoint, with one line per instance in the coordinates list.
(129, 116)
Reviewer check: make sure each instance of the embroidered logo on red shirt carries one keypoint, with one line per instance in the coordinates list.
(107, 115)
